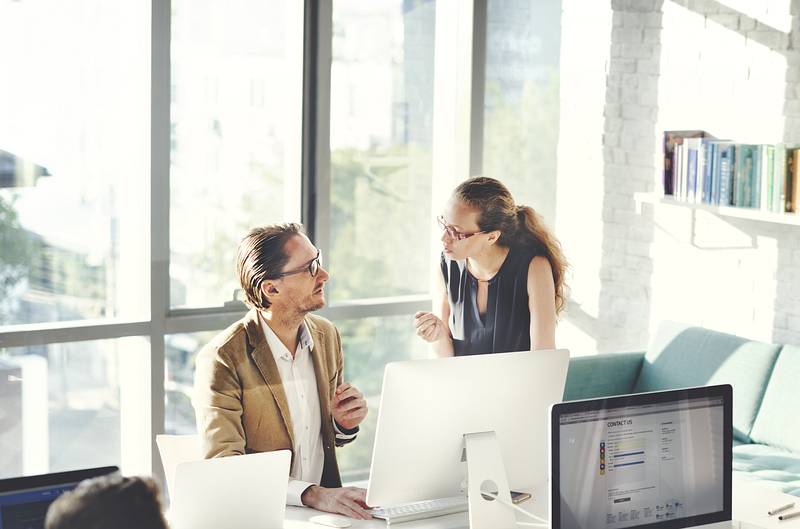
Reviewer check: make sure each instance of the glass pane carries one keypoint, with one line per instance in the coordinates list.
(381, 137)
(236, 133)
(181, 350)
(523, 43)
(60, 404)
(74, 160)
(369, 344)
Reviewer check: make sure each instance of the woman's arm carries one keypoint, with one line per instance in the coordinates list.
(432, 326)
(542, 304)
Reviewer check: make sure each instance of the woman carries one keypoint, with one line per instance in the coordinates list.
(502, 283)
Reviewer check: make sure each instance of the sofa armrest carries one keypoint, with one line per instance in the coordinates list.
(602, 375)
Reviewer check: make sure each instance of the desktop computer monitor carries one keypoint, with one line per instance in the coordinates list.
(24, 501)
(427, 406)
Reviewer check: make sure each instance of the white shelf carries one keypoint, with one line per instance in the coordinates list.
(791, 219)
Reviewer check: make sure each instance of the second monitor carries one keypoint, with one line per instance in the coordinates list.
(427, 406)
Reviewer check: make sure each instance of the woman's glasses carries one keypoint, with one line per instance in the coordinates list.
(452, 232)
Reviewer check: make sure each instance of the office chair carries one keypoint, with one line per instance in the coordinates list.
(176, 449)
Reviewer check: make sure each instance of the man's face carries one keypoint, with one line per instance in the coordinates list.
(301, 292)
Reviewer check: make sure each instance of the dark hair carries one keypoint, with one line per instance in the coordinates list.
(106, 502)
(519, 226)
(261, 257)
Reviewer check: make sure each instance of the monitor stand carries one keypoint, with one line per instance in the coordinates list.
(487, 473)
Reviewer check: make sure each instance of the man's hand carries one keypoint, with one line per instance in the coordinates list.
(350, 501)
(429, 326)
(348, 406)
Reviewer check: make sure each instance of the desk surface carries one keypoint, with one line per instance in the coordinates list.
(751, 502)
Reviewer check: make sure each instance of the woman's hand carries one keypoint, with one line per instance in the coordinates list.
(429, 326)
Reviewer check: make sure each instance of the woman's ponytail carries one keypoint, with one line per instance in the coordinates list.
(533, 233)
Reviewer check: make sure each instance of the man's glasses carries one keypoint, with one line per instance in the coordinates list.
(452, 232)
(312, 267)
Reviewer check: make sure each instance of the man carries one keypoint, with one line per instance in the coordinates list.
(274, 379)
(108, 501)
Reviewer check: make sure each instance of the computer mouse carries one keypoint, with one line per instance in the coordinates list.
(329, 520)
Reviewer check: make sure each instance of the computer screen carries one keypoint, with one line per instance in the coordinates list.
(649, 460)
(24, 501)
(427, 406)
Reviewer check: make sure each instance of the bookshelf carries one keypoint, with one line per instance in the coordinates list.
(753, 214)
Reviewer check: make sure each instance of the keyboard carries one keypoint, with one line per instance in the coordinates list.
(420, 510)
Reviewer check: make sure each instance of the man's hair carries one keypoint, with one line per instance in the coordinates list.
(261, 257)
(108, 502)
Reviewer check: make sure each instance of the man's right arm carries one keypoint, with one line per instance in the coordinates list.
(217, 404)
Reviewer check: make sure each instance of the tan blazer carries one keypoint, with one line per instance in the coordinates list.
(239, 398)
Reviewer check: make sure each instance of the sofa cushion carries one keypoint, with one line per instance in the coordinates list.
(777, 468)
(602, 375)
(682, 356)
(776, 423)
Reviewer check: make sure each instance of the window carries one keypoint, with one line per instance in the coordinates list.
(521, 119)
(181, 350)
(74, 161)
(62, 404)
(381, 148)
(82, 247)
(236, 133)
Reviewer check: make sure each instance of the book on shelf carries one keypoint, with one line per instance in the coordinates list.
(701, 169)
(675, 163)
(792, 194)
(725, 174)
(779, 180)
(767, 176)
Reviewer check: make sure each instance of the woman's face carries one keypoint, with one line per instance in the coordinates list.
(459, 220)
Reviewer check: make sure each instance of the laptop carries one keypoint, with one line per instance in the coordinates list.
(24, 501)
(245, 492)
(653, 460)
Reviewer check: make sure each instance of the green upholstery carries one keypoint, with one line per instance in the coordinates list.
(779, 469)
(683, 356)
(602, 375)
(778, 421)
(766, 391)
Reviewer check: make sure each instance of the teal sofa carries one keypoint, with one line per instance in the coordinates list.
(766, 391)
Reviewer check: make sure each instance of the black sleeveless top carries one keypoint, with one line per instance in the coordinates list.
(506, 325)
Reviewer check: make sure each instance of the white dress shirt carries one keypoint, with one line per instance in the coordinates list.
(300, 385)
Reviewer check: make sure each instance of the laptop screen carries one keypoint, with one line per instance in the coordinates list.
(649, 460)
(24, 501)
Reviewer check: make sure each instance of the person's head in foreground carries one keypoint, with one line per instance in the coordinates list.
(108, 502)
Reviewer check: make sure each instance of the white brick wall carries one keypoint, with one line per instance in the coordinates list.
(684, 64)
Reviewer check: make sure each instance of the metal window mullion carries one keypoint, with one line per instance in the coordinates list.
(159, 215)
(356, 310)
(64, 332)
(478, 81)
(189, 321)
(316, 122)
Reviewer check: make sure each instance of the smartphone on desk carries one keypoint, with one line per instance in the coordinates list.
(519, 497)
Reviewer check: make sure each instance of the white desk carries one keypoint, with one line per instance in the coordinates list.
(751, 502)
